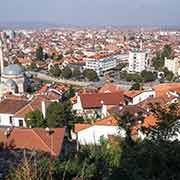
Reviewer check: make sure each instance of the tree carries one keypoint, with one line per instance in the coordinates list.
(46, 56)
(169, 75)
(167, 52)
(135, 86)
(76, 73)
(134, 77)
(57, 57)
(61, 115)
(66, 73)
(149, 160)
(70, 93)
(35, 119)
(55, 115)
(31, 169)
(92, 162)
(39, 53)
(123, 75)
(148, 76)
(90, 74)
(33, 67)
(158, 61)
(167, 118)
(55, 70)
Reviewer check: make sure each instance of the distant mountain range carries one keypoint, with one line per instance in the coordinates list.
(42, 25)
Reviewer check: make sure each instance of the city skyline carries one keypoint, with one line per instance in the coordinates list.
(91, 13)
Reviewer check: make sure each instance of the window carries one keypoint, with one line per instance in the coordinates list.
(20, 123)
(10, 120)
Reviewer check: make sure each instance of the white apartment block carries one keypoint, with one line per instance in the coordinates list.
(173, 65)
(138, 61)
(101, 65)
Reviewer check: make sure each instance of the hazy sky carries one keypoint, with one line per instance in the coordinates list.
(92, 12)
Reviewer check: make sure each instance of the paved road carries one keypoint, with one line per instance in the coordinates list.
(46, 77)
(125, 85)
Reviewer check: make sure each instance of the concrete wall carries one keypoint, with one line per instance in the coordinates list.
(93, 134)
(5, 120)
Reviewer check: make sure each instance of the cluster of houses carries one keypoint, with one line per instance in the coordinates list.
(101, 106)
(14, 132)
(101, 109)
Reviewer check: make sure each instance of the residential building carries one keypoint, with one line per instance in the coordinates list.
(33, 139)
(173, 65)
(93, 105)
(8, 108)
(135, 97)
(110, 88)
(138, 60)
(92, 133)
(13, 111)
(101, 65)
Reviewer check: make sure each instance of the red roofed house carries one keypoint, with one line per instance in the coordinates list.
(37, 139)
(135, 97)
(110, 88)
(96, 104)
(91, 133)
(13, 111)
(8, 108)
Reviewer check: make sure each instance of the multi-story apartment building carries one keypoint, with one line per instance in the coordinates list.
(101, 65)
(138, 60)
(173, 65)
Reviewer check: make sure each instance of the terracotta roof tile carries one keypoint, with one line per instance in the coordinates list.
(38, 139)
(162, 89)
(110, 88)
(80, 127)
(132, 93)
(149, 121)
(109, 121)
(11, 106)
(95, 100)
(34, 104)
(132, 109)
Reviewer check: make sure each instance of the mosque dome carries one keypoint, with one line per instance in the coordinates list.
(13, 70)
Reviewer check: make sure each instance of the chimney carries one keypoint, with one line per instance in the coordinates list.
(103, 110)
(43, 106)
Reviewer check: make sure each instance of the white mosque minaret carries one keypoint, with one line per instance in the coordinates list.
(12, 76)
(1, 57)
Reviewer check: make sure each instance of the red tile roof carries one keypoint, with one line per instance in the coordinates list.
(34, 104)
(150, 121)
(11, 106)
(43, 89)
(132, 109)
(34, 139)
(95, 100)
(132, 94)
(110, 88)
(162, 89)
(108, 121)
(160, 100)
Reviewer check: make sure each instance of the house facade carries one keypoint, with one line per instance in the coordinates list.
(138, 60)
(96, 104)
(92, 133)
(135, 97)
